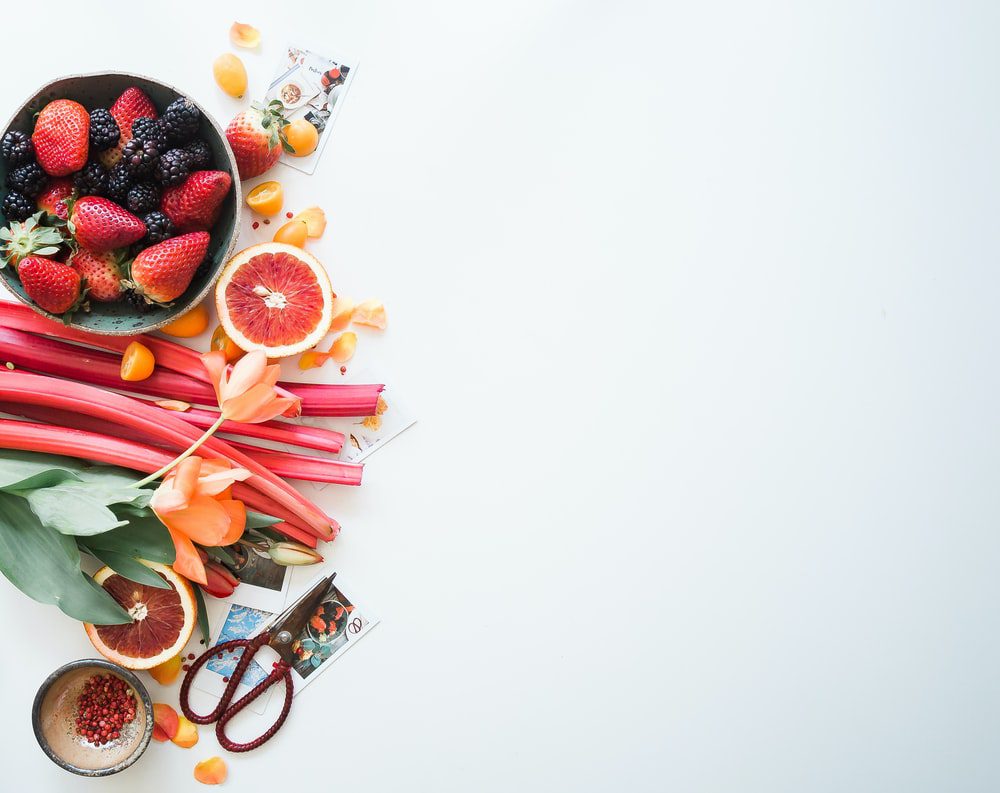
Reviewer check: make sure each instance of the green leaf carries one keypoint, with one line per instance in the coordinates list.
(142, 538)
(26, 470)
(130, 568)
(45, 565)
(82, 507)
(220, 555)
(257, 521)
(202, 615)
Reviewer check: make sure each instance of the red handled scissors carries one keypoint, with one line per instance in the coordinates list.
(279, 633)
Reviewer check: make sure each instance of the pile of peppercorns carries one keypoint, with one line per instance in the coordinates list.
(105, 705)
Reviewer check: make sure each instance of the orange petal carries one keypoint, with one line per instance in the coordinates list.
(342, 309)
(237, 512)
(174, 404)
(186, 476)
(371, 313)
(246, 373)
(187, 563)
(256, 405)
(243, 35)
(204, 521)
(212, 771)
(315, 220)
(165, 719)
(187, 733)
(343, 348)
(166, 673)
(215, 364)
(312, 359)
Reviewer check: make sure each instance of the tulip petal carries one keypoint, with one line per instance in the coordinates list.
(256, 405)
(204, 520)
(247, 372)
(186, 476)
(237, 512)
(187, 563)
(215, 364)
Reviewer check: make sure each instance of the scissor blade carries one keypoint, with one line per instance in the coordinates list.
(290, 623)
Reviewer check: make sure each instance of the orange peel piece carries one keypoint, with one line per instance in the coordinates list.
(370, 313)
(187, 733)
(315, 220)
(312, 359)
(173, 404)
(342, 311)
(342, 350)
(166, 673)
(212, 771)
(244, 35)
(166, 722)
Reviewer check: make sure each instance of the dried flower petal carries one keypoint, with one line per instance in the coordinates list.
(315, 220)
(343, 348)
(372, 423)
(243, 35)
(174, 404)
(381, 406)
(312, 359)
(371, 313)
(212, 771)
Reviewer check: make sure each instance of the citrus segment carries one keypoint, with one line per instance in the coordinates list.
(266, 198)
(294, 232)
(162, 619)
(276, 298)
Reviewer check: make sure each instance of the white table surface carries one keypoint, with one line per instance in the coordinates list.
(697, 304)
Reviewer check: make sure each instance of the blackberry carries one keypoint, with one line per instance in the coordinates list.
(142, 198)
(140, 157)
(205, 267)
(137, 301)
(146, 128)
(104, 131)
(173, 167)
(158, 228)
(181, 120)
(92, 180)
(28, 179)
(17, 206)
(119, 182)
(200, 155)
(17, 148)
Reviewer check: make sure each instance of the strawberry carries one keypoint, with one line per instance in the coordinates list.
(101, 272)
(53, 199)
(256, 138)
(132, 104)
(52, 285)
(194, 204)
(162, 272)
(100, 225)
(62, 137)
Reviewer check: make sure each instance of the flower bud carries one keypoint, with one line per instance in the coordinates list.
(219, 582)
(293, 553)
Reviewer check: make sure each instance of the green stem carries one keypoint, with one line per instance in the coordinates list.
(178, 460)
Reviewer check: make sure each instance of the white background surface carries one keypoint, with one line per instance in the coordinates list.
(697, 306)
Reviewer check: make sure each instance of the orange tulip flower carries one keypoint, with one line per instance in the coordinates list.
(247, 393)
(193, 503)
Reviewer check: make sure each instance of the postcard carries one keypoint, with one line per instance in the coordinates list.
(313, 87)
(263, 584)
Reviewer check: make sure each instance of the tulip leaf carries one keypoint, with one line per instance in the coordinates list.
(27, 470)
(143, 538)
(45, 565)
(257, 521)
(202, 615)
(130, 568)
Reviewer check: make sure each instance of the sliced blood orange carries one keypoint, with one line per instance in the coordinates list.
(163, 619)
(276, 298)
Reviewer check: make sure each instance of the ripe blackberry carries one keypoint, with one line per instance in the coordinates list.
(92, 180)
(205, 267)
(142, 198)
(181, 120)
(104, 131)
(158, 228)
(29, 179)
(119, 182)
(137, 301)
(17, 148)
(140, 156)
(173, 167)
(200, 155)
(17, 206)
(146, 128)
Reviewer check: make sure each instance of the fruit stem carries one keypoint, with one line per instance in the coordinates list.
(182, 456)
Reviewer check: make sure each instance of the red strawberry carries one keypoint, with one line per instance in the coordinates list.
(100, 225)
(101, 272)
(51, 284)
(53, 200)
(256, 139)
(162, 272)
(194, 204)
(62, 137)
(132, 104)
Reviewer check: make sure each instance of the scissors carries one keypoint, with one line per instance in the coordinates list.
(278, 633)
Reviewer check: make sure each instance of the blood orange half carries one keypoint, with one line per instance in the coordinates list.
(163, 619)
(276, 298)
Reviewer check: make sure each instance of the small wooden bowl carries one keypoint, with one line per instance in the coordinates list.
(100, 90)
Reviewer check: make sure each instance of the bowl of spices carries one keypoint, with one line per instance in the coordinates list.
(92, 717)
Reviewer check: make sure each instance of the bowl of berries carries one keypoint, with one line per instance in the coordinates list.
(119, 203)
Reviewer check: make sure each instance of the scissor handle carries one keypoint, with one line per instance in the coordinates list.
(250, 647)
(280, 670)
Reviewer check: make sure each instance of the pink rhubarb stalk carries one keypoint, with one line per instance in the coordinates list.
(21, 387)
(301, 466)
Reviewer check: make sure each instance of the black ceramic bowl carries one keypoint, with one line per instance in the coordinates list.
(53, 717)
(100, 90)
